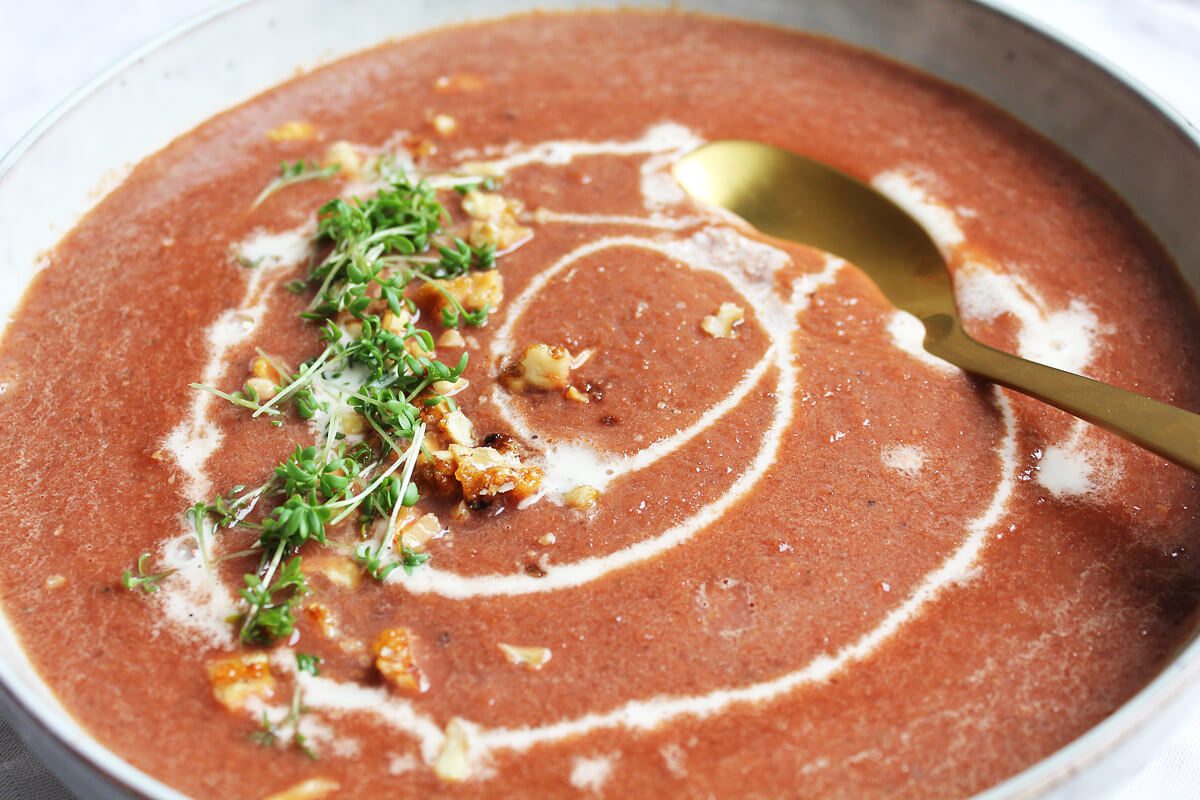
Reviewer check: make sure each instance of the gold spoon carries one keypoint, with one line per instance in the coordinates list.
(792, 197)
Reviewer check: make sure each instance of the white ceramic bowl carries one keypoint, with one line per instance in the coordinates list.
(1140, 147)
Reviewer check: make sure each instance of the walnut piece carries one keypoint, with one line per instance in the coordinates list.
(292, 131)
(311, 789)
(486, 473)
(473, 291)
(494, 220)
(236, 679)
(532, 657)
(452, 764)
(721, 326)
(541, 366)
(393, 651)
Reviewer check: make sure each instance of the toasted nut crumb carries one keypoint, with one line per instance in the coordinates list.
(292, 131)
(338, 570)
(462, 82)
(396, 323)
(451, 338)
(495, 220)
(267, 367)
(417, 534)
(450, 388)
(311, 789)
(452, 764)
(55, 582)
(728, 316)
(473, 291)
(582, 497)
(547, 539)
(458, 428)
(346, 157)
(394, 659)
(444, 124)
(237, 678)
(460, 511)
(354, 423)
(533, 657)
(321, 618)
(574, 394)
(264, 388)
(542, 366)
(542, 215)
(487, 473)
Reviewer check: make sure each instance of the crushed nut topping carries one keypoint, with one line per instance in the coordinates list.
(473, 291)
(420, 531)
(292, 131)
(346, 156)
(486, 473)
(532, 657)
(452, 764)
(393, 651)
(338, 570)
(462, 82)
(582, 498)
(494, 220)
(541, 366)
(444, 124)
(721, 326)
(310, 789)
(238, 678)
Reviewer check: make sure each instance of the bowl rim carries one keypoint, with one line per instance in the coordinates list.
(34, 718)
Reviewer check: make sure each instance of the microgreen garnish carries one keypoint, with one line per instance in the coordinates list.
(146, 581)
(308, 663)
(270, 733)
(297, 172)
(377, 367)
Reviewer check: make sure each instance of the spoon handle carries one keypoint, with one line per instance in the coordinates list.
(1164, 429)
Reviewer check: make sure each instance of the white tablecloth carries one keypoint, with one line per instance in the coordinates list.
(50, 47)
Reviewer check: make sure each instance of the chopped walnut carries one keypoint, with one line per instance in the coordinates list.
(393, 651)
(263, 388)
(396, 323)
(292, 131)
(452, 764)
(348, 159)
(582, 497)
(494, 220)
(458, 428)
(532, 657)
(268, 367)
(238, 678)
(473, 291)
(575, 395)
(321, 618)
(435, 473)
(542, 366)
(444, 124)
(310, 789)
(338, 570)
(486, 473)
(462, 82)
(728, 316)
(450, 388)
(451, 338)
(417, 533)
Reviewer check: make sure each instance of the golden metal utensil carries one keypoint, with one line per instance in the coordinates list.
(789, 196)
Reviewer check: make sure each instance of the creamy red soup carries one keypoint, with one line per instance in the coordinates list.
(695, 517)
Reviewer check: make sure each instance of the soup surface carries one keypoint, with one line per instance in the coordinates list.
(698, 518)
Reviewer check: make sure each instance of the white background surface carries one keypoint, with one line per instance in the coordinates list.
(49, 48)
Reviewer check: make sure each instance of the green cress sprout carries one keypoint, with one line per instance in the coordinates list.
(378, 248)
(298, 172)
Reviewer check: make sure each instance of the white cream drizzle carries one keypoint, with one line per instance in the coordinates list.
(189, 599)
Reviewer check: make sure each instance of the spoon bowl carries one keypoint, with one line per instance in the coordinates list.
(793, 197)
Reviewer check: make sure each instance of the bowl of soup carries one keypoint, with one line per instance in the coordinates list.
(399, 427)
